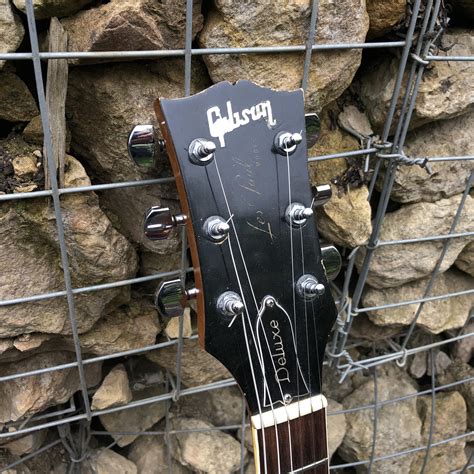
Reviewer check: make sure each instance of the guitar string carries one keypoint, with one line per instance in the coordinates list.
(250, 357)
(251, 328)
(313, 447)
(262, 368)
(294, 291)
(253, 335)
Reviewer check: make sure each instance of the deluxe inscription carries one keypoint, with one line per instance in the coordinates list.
(278, 353)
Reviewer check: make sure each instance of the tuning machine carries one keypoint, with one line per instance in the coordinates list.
(143, 147)
(321, 194)
(159, 222)
(332, 261)
(313, 129)
(171, 298)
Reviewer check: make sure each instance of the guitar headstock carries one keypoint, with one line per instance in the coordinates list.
(239, 155)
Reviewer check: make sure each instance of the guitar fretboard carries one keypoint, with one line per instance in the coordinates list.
(294, 446)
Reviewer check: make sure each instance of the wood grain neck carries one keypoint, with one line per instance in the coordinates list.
(297, 445)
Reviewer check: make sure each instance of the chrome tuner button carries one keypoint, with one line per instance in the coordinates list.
(201, 151)
(321, 194)
(285, 143)
(230, 303)
(216, 229)
(332, 261)
(159, 222)
(309, 288)
(171, 297)
(297, 214)
(142, 146)
(313, 129)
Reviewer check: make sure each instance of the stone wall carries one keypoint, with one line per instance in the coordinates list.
(351, 91)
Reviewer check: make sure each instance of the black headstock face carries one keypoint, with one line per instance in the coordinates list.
(264, 301)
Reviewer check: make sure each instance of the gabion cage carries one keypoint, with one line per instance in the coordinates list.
(417, 50)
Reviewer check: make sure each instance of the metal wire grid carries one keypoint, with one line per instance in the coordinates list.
(414, 47)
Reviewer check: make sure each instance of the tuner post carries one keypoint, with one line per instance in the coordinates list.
(201, 151)
(309, 288)
(285, 143)
(297, 214)
(216, 229)
(230, 303)
(159, 222)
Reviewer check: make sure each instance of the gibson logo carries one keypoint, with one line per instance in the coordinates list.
(219, 125)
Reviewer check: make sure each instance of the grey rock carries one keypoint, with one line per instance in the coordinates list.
(16, 102)
(418, 365)
(33, 132)
(436, 316)
(364, 328)
(26, 444)
(463, 349)
(465, 260)
(97, 254)
(129, 327)
(458, 372)
(450, 420)
(173, 326)
(106, 461)
(149, 454)
(136, 419)
(336, 426)
(446, 89)
(134, 25)
(109, 90)
(454, 137)
(11, 29)
(198, 367)
(394, 265)
(220, 407)
(398, 425)
(114, 390)
(25, 396)
(25, 167)
(206, 451)
(335, 220)
(233, 24)
(442, 362)
(351, 118)
(333, 388)
(384, 15)
(50, 8)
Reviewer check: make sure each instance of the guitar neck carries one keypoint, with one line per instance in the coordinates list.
(296, 445)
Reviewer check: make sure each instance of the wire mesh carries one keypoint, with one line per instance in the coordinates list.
(416, 53)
